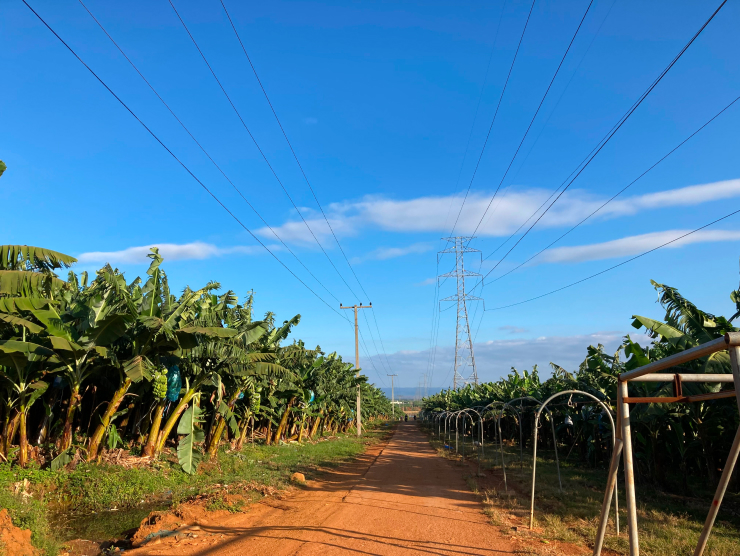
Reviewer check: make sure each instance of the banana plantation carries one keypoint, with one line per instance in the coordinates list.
(672, 442)
(94, 364)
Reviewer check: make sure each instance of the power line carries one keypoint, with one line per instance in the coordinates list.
(611, 134)
(616, 265)
(435, 296)
(500, 98)
(182, 164)
(534, 117)
(298, 162)
(254, 140)
(477, 108)
(618, 193)
(200, 146)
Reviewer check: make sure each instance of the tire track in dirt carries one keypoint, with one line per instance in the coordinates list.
(398, 499)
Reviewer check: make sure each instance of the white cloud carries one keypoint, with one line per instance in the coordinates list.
(427, 282)
(170, 252)
(385, 253)
(435, 214)
(634, 245)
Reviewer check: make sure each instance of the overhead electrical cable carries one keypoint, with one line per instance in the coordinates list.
(611, 134)
(256, 144)
(372, 337)
(182, 164)
(200, 146)
(298, 162)
(534, 117)
(618, 193)
(565, 90)
(498, 105)
(477, 109)
(435, 295)
(674, 240)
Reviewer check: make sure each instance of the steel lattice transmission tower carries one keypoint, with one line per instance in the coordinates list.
(463, 341)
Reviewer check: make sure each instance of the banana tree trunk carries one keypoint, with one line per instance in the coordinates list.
(74, 402)
(283, 421)
(23, 453)
(300, 430)
(150, 448)
(100, 430)
(175, 416)
(9, 436)
(221, 426)
(316, 423)
(243, 429)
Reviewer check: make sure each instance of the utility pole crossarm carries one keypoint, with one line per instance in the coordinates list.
(357, 360)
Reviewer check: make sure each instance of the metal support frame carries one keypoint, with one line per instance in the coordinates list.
(552, 424)
(651, 373)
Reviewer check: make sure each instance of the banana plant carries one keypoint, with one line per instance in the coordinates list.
(22, 367)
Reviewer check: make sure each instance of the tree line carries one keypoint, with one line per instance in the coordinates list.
(89, 364)
(677, 446)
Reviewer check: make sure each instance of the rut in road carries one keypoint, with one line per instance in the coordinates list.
(399, 499)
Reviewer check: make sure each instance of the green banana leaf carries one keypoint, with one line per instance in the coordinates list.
(187, 455)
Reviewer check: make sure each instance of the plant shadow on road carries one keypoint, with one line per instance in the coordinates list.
(668, 524)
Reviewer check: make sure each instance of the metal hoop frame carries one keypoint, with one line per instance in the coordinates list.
(552, 423)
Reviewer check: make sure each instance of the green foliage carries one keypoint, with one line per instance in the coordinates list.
(678, 447)
(187, 453)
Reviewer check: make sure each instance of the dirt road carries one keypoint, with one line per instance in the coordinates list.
(398, 499)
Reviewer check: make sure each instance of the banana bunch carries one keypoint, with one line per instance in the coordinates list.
(254, 402)
(160, 384)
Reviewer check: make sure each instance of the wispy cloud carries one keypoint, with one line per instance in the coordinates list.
(385, 253)
(633, 245)
(436, 213)
(197, 250)
(310, 121)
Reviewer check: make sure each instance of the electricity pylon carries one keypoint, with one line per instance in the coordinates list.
(463, 341)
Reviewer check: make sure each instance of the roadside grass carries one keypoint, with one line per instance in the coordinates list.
(57, 506)
(668, 523)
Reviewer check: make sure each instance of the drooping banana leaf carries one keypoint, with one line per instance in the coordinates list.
(14, 305)
(26, 283)
(187, 455)
(20, 257)
(229, 417)
(17, 321)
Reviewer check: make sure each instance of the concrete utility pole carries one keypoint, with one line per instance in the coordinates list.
(357, 360)
(393, 398)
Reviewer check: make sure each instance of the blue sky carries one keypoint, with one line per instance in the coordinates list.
(381, 103)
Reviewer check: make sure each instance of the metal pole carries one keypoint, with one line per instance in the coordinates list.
(629, 471)
(611, 484)
(501, 446)
(721, 488)
(555, 445)
(534, 470)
